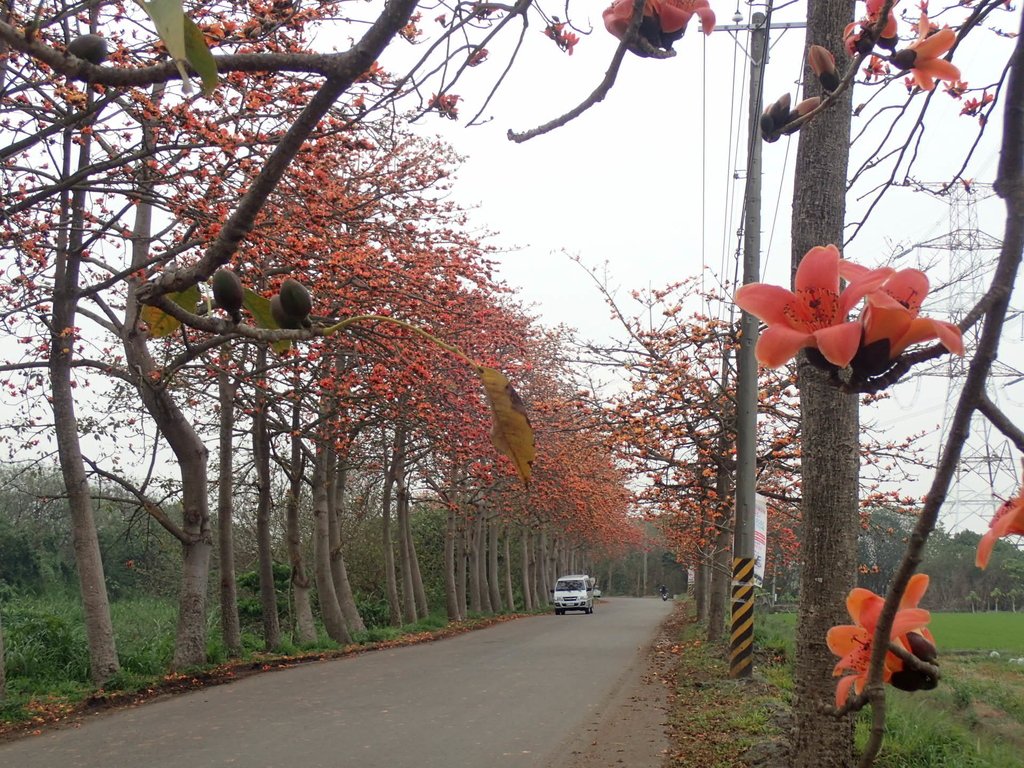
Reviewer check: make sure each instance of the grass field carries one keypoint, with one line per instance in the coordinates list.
(974, 719)
(991, 631)
(1000, 631)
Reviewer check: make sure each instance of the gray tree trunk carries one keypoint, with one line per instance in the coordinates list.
(404, 539)
(829, 429)
(305, 628)
(510, 595)
(330, 610)
(192, 457)
(493, 574)
(461, 563)
(264, 505)
(473, 538)
(99, 630)
(524, 552)
(390, 582)
(721, 572)
(453, 607)
(337, 478)
(3, 662)
(229, 622)
(480, 542)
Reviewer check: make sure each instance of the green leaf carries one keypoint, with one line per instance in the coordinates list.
(160, 323)
(169, 18)
(259, 308)
(199, 57)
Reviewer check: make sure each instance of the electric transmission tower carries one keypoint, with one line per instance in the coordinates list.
(987, 471)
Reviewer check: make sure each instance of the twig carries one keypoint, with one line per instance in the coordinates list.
(1010, 186)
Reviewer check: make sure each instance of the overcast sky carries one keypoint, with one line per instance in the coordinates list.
(650, 182)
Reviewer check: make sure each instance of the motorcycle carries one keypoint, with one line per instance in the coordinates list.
(664, 593)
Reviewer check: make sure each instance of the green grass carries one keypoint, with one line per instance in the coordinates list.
(991, 631)
(47, 659)
(974, 719)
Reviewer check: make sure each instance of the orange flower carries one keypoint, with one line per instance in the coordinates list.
(814, 315)
(892, 323)
(1008, 520)
(853, 642)
(922, 56)
(664, 21)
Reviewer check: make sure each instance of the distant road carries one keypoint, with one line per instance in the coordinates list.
(504, 697)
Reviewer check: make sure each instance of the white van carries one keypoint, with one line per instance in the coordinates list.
(574, 593)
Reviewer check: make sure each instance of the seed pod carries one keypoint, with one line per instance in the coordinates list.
(921, 647)
(823, 63)
(92, 48)
(295, 299)
(228, 293)
(282, 318)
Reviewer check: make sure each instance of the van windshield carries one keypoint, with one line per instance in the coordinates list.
(569, 586)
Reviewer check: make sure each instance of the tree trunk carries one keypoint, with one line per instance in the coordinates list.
(422, 608)
(305, 628)
(829, 429)
(99, 629)
(404, 538)
(461, 552)
(453, 607)
(524, 546)
(264, 505)
(229, 622)
(475, 588)
(390, 583)
(480, 540)
(330, 610)
(721, 572)
(510, 595)
(337, 479)
(192, 458)
(3, 662)
(493, 574)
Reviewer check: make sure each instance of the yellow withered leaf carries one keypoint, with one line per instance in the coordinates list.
(160, 323)
(511, 432)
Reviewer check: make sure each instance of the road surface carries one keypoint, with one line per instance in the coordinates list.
(513, 695)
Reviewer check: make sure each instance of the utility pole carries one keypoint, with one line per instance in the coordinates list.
(741, 646)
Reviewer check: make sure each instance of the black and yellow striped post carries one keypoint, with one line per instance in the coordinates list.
(741, 645)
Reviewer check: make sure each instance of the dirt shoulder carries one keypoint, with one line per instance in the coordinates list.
(632, 728)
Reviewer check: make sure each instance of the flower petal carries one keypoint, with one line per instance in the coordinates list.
(819, 269)
(778, 344)
(940, 69)
(926, 329)
(909, 619)
(845, 638)
(768, 302)
(707, 20)
(891, 322)
(909, 287)
(934, 45)
(671, 17)
(915, 590)
(864, 604)
(843, 690)
(839, 343)
(858, 287)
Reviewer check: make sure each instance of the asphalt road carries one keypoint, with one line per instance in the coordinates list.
(509, 696)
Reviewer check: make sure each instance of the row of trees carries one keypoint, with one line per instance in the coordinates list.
(108, 191)
(122, 199)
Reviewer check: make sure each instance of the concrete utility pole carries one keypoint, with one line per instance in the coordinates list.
(742, 636)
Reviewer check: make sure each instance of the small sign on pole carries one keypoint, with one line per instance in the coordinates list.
(760, 538)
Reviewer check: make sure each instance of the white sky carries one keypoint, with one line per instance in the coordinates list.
(650, 182)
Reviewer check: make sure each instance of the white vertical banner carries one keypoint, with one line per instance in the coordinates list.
(760, 538)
